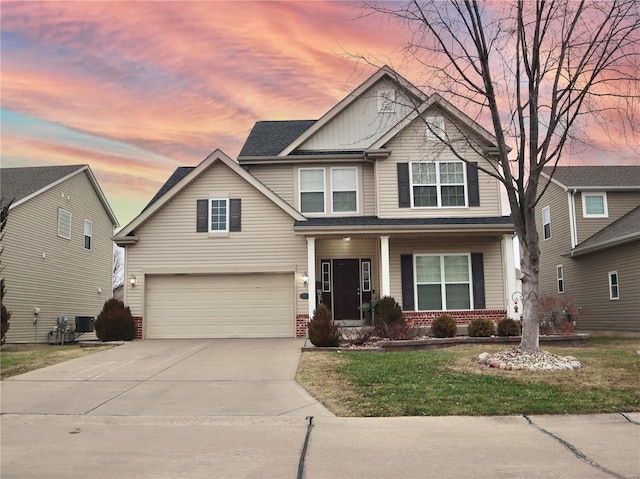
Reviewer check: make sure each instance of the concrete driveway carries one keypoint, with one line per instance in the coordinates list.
(207, 377)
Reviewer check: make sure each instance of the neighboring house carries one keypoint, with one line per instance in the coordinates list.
(57, 248)
(588, 223)
(359, 204)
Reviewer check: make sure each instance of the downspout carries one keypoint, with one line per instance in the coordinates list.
(572, 218)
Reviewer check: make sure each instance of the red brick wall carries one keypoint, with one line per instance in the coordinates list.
(138, 321)
(301, 325)
(424, 318)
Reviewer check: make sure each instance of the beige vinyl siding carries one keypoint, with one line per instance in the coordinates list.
(55, 274)
(357, 248)
(618, 203)
(492, 258)
(599, 313)
(278, 178)
(169, 242)
(360, 124)
(560, 242)
(409, 146)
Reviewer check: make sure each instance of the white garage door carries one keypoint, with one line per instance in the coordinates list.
(220, 306)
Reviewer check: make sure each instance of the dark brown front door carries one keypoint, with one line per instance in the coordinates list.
(346, 289)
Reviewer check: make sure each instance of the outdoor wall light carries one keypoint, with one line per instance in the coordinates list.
(347, 239)
(133, 280)
(305, 279)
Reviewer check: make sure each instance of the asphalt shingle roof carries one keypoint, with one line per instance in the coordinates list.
(605, 176)
(624, 227)
(18, 183)
(268, 138)
(174, 179)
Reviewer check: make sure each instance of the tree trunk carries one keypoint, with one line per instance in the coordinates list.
(530, 263)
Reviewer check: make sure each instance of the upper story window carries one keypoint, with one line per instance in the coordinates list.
(341, 182)
(594, 205)
(443, 282)
(438, 184)
(434, 128)
(614, 286)
(64, 223)
(386, 100)
(219, 211)
(88, 234)
(546, 222)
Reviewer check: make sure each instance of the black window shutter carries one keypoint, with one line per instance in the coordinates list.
(404, 198)
(202, 214)
(473, 186)
(406, 275)
(477, 275)
(235, 214)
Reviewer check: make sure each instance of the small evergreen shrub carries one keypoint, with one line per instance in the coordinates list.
(390, 322)
(323, 331)
(6, 316)
(115, 322)
(481, 328)
(444, 326)
(508, 327)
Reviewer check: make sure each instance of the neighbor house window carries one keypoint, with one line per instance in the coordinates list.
(546, 222)
(434, 128)
(219, 215)
(443, 282)
(88, 234)
(614, 285)
(312, 183)
(64, 223)
(344, 190)
(326, 277)
(560, 278)
(366, 276)
(594, 205)
(438, 184)
(386, 100)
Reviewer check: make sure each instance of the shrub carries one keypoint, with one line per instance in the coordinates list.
(115, 322)
(323, 332)
(508, 327)
(6, 316)
(557, 316)
(481, 328)
(390, 322)
(358, 336)
(444, 326)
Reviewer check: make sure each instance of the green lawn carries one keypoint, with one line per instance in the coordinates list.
(449, 382)
(21, 358)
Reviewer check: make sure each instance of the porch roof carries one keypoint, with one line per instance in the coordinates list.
(373, 224)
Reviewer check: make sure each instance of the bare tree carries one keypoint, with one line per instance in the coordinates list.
(538, 71)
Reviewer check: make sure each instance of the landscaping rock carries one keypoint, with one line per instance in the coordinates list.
(519, 359)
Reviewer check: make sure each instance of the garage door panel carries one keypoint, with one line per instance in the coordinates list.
(220, 306)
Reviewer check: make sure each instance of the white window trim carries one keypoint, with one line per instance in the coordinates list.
(218, 198)
(548, 210)
(443, 281)
(560, 278)
(438, 186)
(611, 296)
(386, 100)
(355, 169)
(324, 191)
(90, 235)
(603, 195)
(438, 125)
(61, 213)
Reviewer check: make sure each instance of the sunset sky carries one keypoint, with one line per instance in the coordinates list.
(136, 89)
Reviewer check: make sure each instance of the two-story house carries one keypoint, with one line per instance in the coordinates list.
(363, 203)
(588, 223)
(57, 250)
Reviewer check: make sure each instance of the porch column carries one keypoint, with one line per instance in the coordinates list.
(509, 265)
(311, 272)
(385, 282)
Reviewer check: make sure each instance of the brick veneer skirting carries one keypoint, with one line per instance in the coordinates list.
(301, 325)
(138, 321)
(424, 318)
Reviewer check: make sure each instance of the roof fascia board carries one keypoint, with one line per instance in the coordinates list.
(603, 245)
(273, 160)
(103, 198)
(350, 98)
(378, 229)
(48, 186)
(577, 188)
(555, 181)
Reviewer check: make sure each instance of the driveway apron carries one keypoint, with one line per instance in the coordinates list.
(206, 377)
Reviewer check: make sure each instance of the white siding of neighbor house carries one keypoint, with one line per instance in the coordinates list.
(359, 124)
(56, 274)
(410, 146)
(489, 246)
(169, 243)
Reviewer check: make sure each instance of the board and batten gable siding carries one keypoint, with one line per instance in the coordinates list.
(169, 242)
(360, 124)
(492, 258)
(588, 288)
(410, 146)
(55, 274)
(618, 204)
(560, 242)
